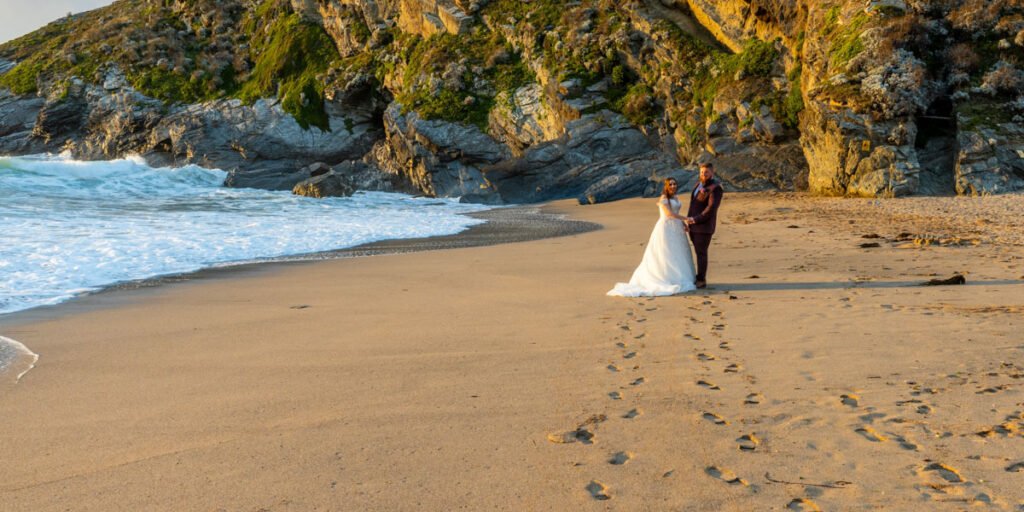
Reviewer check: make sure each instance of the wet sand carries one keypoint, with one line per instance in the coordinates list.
(814, 374)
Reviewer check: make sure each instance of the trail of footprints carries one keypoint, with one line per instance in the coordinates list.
(630, 342)
(939, 479)
(629, 357)
(720, 363)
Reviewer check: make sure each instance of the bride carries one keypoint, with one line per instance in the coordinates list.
(667, 267)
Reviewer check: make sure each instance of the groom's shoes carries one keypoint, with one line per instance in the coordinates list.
(701, 285)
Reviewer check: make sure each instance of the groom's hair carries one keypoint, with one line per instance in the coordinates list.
(707, 165)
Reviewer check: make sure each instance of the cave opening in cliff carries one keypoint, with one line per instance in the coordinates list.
(936, 148)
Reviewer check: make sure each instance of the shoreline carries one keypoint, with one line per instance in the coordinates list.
(501, 377)
(511, 224)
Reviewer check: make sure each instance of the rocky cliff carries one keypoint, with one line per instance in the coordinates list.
(507, 100)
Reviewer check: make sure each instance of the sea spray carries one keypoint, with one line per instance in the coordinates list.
(68, 227)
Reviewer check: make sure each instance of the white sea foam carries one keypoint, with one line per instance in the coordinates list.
(68, 227)
(14, 356)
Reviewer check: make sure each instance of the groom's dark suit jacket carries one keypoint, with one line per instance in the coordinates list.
(704, 207)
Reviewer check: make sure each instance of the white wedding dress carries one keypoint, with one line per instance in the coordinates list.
(667, 267)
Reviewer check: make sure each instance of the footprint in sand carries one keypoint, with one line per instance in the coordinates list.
(629, 355)
(724, 345)
(1005, 429)
(946, 472)
(991, 390)
(871, 417)
(621, 345)
(724, 475)
(714, 418)
(748, 442)
(708, 385)
(612, 367)
(803, 504)
(924, 409)
(850, 399)
(705, 357)
(615, 395)
(733, 368)
(598, 491)
(638, 381)
(905, 443)
(1016, 467)
(580, 435)
(633, 413)
(753, 399)
(871, 434)
(639, 336)
(620, 458)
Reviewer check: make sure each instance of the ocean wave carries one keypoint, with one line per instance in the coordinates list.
(71, 226)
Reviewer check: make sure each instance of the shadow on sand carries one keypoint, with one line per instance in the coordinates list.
(766, 286)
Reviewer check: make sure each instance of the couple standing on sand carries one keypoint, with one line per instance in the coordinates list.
(667, 267)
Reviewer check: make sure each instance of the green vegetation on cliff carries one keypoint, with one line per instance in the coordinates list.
(291, 57)
(185, 52)
(440, 74)
(756, 60)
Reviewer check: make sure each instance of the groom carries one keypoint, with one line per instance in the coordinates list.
(702, 218)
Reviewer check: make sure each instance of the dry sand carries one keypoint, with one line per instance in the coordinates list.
(503, 378)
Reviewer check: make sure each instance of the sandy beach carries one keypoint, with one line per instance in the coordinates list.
(814, 374)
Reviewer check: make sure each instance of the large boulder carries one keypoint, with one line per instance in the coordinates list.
(328, 184)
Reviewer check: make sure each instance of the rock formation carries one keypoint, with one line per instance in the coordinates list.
(508, 101)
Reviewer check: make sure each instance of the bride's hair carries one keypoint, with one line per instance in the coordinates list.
(664, 188)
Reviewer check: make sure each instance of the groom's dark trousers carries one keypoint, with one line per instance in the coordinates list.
(701, 242)
(704, 202)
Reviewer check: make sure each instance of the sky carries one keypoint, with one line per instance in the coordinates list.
(19, 17)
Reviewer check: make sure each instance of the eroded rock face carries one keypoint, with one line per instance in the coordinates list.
(429, 17)
(597, 147)
(523, 119)
(438, 158)
(849, 155)
(990, 161)
(19, 114)
(732, 23)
